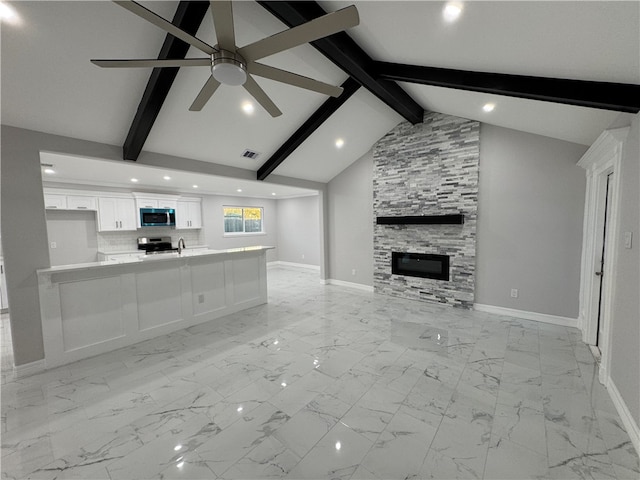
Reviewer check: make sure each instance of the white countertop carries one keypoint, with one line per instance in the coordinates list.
(141, 252)
(164, 257)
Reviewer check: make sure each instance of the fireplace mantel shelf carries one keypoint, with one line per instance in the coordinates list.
(451, 219)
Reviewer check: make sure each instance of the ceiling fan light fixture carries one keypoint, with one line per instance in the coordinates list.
(228, 68)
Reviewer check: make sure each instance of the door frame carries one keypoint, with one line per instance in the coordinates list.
(602, 158)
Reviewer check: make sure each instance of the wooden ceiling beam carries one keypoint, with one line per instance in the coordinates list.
(327, 109)
(622, 97)
(346, 54)
(188, 17)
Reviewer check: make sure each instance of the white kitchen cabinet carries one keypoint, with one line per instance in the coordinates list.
(116, 214)
(81, 202)
(169, 201)
(189, 214)
(55, 201)
(146, 203)
(3, 288)
(61, 201)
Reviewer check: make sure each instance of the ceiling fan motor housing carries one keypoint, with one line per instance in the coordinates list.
(228, 68)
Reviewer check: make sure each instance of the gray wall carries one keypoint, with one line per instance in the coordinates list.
(75, 235)
(213, 224)
(350, 217)
(625, 324)
(530, 212)
(299, 230)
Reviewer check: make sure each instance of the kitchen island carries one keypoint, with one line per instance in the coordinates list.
(92, 308)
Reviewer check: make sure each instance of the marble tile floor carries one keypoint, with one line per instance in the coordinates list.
(324, 382)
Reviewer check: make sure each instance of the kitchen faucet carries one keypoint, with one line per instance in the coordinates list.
(181, 245)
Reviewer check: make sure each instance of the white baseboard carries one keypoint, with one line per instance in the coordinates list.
(29, 369)
(538, 317)
(625, 415)
(279, 263)
(342, 283)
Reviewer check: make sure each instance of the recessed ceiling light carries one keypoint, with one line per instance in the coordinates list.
(49, 171)
(239, 190)
(273, 193)
(452, 11)
(248, 108)
(167, 177)
(488, 107)
(195, 186)
(7, 14)
(134, 180)
(339, 143)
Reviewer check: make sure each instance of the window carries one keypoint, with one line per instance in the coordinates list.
(243, 220)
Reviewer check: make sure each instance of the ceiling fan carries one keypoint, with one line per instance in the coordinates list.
(235, 66)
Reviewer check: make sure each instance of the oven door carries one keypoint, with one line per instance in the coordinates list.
(157, 217)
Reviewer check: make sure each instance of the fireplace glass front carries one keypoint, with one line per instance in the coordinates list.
(422, 265)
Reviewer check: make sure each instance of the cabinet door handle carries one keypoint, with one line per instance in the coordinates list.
(116, 224)
(2, 269)
(82, 208)
(51, 206)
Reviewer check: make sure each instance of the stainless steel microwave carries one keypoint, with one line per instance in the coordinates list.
(157, 217)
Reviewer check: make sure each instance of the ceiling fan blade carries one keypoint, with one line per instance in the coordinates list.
(167, 26)
(183, 62)
(294, 79)
(222, 13)
(307, 32)
(261, 97)
(205, 94)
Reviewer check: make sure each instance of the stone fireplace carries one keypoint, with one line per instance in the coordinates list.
(429, 170)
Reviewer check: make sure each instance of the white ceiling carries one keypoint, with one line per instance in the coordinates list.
(48, 83)
(70, 169)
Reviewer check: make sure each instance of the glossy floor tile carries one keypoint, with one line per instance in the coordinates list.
(324, 382)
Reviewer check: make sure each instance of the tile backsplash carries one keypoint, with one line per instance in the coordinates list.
(125, 241)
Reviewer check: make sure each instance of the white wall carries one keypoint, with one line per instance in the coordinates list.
(299, 230)
(351, 223)
(213, 224)
(75, 236)
(625, 324)
(530, 210)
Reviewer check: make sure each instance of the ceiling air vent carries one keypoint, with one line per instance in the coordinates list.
(250, 154)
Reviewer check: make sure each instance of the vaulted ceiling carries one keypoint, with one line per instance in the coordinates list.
(401, 59)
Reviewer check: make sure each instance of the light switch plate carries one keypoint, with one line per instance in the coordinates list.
(628, 236)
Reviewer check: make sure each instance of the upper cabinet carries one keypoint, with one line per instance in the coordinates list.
(116, 214)
(121, 211)
(60, 201)
(189, 213)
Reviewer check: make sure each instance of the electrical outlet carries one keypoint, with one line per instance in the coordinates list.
(514, 293)
(353, 271)
(201, 298)
(54, 245)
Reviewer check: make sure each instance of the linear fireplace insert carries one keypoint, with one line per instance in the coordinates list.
(422, 265)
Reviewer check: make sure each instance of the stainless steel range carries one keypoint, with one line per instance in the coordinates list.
(155, 245)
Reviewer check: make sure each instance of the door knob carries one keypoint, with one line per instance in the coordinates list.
(599, 274)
